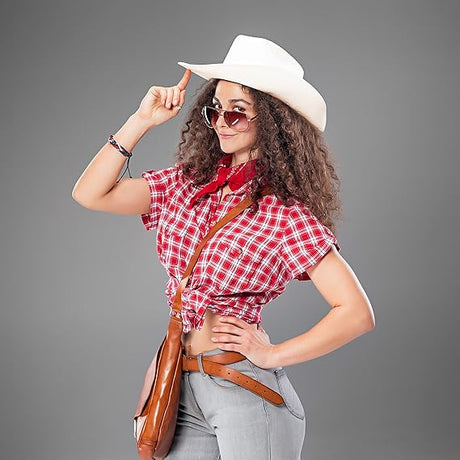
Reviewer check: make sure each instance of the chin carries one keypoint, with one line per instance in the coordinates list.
(227, 150)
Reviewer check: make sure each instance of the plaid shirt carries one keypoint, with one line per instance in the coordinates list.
(246, 264)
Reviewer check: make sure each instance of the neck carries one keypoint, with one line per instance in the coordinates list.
(239, 158)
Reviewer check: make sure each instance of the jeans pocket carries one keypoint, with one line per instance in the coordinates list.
(290, 396)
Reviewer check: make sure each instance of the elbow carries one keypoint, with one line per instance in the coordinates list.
(367, 321)
(76, 197)
(358, 320)
(369, 324)
(81, 200)
(361, 325)
(362, 319)
(365, 315)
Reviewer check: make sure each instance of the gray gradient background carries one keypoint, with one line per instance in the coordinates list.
(82, 292)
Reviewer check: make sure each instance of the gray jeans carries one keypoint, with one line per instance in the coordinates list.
(220, 420)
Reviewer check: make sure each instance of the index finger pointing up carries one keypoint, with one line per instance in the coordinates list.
(185, 79)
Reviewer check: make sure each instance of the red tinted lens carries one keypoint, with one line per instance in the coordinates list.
(210, 116)
(236, 120)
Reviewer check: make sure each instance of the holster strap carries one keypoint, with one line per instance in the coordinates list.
(213, 364)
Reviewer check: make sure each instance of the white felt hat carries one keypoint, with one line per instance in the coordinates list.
(264, 65)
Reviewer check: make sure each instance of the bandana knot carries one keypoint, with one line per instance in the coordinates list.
(235, 176)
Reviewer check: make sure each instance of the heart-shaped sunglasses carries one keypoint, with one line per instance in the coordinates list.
(235, 120)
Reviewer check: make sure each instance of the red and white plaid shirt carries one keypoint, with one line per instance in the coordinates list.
(246, 264)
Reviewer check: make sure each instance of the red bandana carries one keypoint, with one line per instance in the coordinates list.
(236, 176)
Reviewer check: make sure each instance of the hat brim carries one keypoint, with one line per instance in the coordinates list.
(291, 89)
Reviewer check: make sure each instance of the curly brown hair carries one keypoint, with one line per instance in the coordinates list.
(293, 158)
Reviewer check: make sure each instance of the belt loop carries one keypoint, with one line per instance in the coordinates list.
(200, 364)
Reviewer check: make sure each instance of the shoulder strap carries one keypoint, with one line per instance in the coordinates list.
(246, 202)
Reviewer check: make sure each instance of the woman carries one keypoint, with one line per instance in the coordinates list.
(255, 123)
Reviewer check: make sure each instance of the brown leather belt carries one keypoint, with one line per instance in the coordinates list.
(214, 365)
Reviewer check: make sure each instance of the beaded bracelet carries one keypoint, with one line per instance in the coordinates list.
(124, 152)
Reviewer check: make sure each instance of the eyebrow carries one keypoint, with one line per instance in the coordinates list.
(234, 100)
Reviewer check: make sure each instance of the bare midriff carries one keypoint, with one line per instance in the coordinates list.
(200, 341)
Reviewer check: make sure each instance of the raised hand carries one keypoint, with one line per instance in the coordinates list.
(160, 103)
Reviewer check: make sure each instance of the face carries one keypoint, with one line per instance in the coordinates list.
(230, 96)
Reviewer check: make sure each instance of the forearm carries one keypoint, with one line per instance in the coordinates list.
(340, 326)
(103, 170)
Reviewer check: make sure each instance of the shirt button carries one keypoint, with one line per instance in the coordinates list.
(236, 252)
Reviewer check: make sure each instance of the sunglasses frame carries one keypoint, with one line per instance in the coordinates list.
(223, 113)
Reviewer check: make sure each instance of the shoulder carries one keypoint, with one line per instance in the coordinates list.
(300, 220)
(300, 212)
(170, 176)
(171, 172)
(296, 212)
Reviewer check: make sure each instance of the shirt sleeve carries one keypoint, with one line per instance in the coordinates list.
(161, 183)
(305, 242)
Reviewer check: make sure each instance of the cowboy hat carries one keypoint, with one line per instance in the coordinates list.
(264, 65)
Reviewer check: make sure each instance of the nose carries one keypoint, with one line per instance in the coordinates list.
(221, 121)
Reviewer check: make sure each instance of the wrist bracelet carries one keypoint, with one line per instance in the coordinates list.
(124, 152)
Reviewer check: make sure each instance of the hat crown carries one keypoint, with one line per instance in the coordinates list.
(263, 65)
(260, 51)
